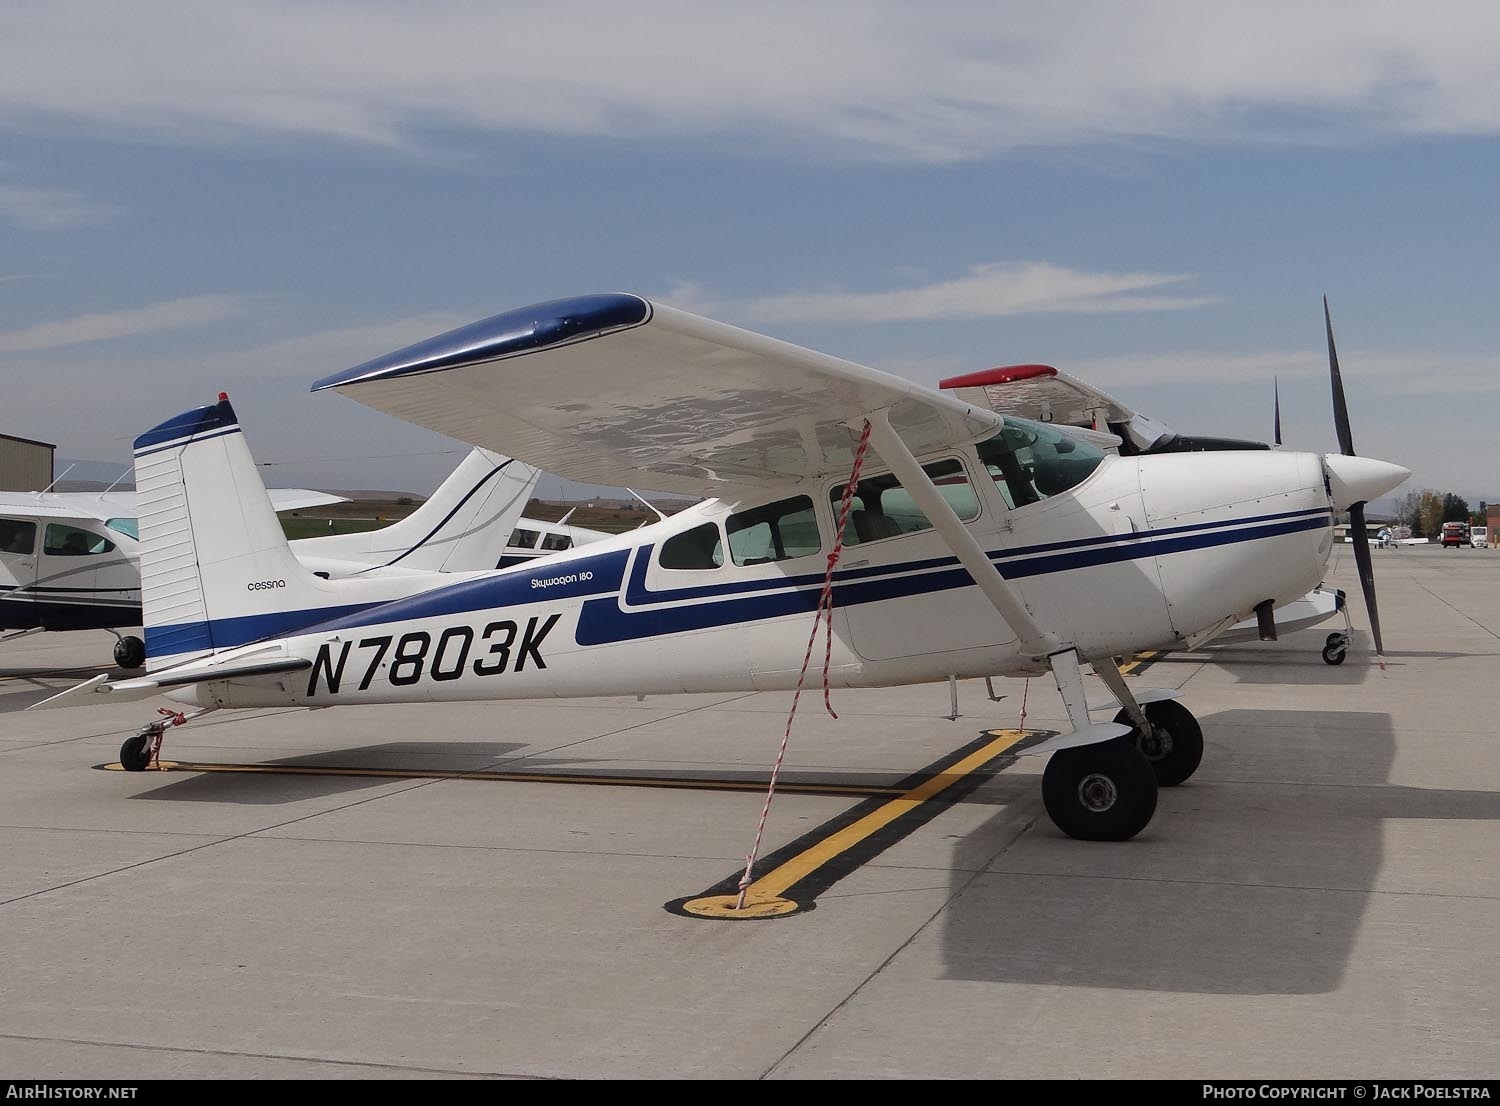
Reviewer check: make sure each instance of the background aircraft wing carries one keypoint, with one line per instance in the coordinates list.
(615, 390)
(1043, 394)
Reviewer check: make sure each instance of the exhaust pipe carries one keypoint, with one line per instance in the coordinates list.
(1265, 620)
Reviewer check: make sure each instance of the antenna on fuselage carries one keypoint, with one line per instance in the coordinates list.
(123, 473)
(55, 479)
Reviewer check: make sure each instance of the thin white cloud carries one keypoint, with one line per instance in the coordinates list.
(50, 208)
(134, 322)
(1412, 372)
(866, 78)
(985, 292)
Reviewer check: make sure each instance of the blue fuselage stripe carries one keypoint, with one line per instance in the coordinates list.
(603, 620)
(600, 580)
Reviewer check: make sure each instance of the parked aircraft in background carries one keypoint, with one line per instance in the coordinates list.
(69, 560)
(939, 538)
(533, 538)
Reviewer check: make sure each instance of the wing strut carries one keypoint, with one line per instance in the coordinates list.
(1034, 640)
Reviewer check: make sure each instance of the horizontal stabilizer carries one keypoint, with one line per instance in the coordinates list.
(295, 499)
(192, 673)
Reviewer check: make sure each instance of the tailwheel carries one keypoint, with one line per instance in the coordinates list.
(135, 754)
(1174, 747)
(1100, 792)
(139, 752)
(1335, 648)
(130, 652)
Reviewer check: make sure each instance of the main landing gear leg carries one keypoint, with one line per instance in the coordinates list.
(1103, 791)
(144, 749)
(1165, 732)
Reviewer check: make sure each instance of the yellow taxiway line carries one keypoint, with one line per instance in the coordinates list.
(767, 897)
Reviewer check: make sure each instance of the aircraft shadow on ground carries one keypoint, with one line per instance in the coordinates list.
(301, 779)
(1251, 879)
(1300, 666)
(283, 781)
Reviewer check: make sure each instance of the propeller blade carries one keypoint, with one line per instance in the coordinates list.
(1340, 408)
(1276, 393)
(1363, 559)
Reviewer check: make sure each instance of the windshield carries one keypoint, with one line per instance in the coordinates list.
(1030, 461)
(126, 526)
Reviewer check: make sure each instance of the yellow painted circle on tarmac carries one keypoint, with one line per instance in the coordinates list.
(726, 906)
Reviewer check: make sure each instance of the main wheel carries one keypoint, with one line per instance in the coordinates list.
(135, 754)
(130, 652)
(1174, 747)
(1102, 792)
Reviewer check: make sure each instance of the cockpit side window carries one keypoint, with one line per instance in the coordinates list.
(1030, 461)
(882, 508)
(70, 541)
(774, 532)
(17, 536)
(698, 548)
(522, 539)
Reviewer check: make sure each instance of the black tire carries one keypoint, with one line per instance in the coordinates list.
(130, 652)
(1175, 749)
(1334, 654)
(1103, 792)
(135, 754)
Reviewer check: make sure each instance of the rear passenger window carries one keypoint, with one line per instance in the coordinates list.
(700, 547)
(17, 536)
(778, 531)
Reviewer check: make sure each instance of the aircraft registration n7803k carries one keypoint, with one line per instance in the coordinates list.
(937, 537)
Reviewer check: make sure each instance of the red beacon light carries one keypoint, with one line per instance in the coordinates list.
(1005, 374)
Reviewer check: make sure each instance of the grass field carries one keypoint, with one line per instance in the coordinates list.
(304, 527)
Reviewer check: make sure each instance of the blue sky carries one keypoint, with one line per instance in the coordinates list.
(249, 196)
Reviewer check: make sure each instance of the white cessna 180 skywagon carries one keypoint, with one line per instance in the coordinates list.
(940, 538)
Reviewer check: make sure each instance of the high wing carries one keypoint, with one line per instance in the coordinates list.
(614, 389)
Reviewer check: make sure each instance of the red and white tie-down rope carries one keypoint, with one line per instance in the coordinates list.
(825, 605)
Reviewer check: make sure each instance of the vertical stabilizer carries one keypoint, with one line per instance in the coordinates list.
(216, 569)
